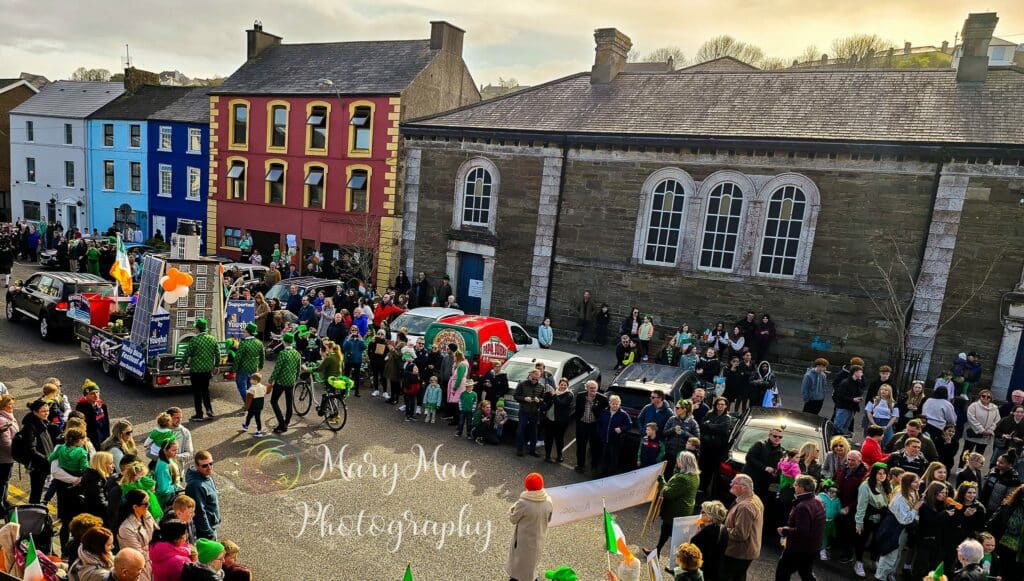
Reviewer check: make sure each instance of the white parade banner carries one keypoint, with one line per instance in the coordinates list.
(575, 502)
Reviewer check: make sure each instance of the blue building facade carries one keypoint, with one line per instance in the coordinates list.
(118, 161)
(178, 164)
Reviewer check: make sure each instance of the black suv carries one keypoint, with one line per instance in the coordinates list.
(307, 285)
(44, 297)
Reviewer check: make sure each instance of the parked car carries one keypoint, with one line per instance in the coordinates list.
(44, 298)
(308, 285)
(754, 426)
(48, 260)
(558, 363)
(252, 274)
(417, 320)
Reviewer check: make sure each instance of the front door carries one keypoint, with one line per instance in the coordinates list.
(470, 283)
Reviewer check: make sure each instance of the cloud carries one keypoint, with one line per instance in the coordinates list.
(531, 40)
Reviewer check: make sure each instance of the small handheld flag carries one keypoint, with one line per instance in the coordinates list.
(408, 572)
(33, 568)
(614, 539)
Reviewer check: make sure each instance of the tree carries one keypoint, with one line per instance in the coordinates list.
(810, 53)
(665, 53)
(84, 74)
(900, 288)
(510, 83)
(726, 45)
(859, 49)
(774, 63)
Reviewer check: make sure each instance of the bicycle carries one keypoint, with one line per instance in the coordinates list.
(305, 395)
(331, 405)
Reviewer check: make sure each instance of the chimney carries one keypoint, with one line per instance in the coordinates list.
(610, 55)
(906, 48)
(444, 36)
(134, 79)
(824, 59)
(258, 41)
(976, 34)
(945, 46)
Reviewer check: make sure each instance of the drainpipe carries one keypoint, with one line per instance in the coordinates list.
(558, 216)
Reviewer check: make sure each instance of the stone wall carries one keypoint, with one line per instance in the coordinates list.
(991, 236)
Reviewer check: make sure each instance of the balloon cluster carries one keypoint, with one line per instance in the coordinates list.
(175, 284)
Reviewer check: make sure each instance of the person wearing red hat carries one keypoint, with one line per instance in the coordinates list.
(530, 515)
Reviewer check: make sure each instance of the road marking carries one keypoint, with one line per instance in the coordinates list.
(569, 445)
(21, 497)
(34, 361)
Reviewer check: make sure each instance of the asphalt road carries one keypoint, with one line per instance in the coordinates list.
(378, 504)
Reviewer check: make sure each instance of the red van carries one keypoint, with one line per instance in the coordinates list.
(484, 340)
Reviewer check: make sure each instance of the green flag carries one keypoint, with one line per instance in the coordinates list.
(408, 572)
(14, 515)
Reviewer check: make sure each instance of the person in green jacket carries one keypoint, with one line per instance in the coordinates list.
(249, 359)
(679, 494)
(92, 260)
(202, 355)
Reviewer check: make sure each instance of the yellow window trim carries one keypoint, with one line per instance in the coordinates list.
(348, 190)
(309, 129)
(323, 184)
(231, 124)
(228, 194)
(284, 181)
(270, 125)
(352, 151)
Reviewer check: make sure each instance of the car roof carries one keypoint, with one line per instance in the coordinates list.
(767, 418)
(654, 374)
(75, 277)
(434, 312)
(244, 266)
(473, 321)
(546, 356)
(307, 281)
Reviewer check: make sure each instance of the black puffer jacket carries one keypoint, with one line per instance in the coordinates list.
(93, 493)
(40, 444)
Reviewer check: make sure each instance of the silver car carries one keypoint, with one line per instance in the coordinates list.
(558, 363)
(417, 320)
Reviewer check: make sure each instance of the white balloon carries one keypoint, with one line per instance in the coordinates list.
(170, 298)
(182, 291)
(162, 279)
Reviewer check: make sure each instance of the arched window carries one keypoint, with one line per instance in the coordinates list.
(476, 194)
(664, 230)
(722, 227)
(476, 202)
(783, 231)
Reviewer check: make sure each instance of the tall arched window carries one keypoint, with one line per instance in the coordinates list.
(664, 227)
(476, 201)
(784, 227)
(722, 227)
(477, 187)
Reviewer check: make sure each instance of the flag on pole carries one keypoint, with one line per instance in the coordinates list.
(615, 540)
(121, 270)
(408, 572)
(33, 568)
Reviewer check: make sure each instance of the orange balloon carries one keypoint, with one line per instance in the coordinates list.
(170, 285)
(187, 279)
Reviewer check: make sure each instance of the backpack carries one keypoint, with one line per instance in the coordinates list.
(21, 448)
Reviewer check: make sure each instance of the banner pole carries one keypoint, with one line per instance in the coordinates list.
(607, 554)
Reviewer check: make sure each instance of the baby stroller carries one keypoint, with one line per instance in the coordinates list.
(34, 519)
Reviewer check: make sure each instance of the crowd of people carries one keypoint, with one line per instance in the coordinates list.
(130, 507)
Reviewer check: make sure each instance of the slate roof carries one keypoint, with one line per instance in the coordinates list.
(365, 67)
(914, 106)
(193, 107)
(70, 99)
(140, 105)
(721, 64)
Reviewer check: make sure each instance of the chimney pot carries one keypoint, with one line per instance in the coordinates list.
(906, 48)
(258, 41)
(976, 34)
(824, 59)
(445, 36)
(945, 46)
(610, 53)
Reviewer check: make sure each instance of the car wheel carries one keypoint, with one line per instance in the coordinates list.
(45, 333)
(123, 376)
(107, 367)
(12, 314)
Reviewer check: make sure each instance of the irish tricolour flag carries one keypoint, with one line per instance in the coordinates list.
(121, 270)
(33, 569)
(615, 540)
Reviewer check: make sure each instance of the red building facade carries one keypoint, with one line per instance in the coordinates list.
(304, 141)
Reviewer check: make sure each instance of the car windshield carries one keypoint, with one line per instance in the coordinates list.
(279, 292)
(517, 371)
(416, 324)
(791, 440)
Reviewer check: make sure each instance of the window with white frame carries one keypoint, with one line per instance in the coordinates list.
(30, 170)
(135, 135)
(166, 132)
(195, 140)
(721, 227)
(166, 181)
(476, 203)
(665, 223)
(30, 131)
(69, 174)
(780, 248)
(135, 175)
(194, 183)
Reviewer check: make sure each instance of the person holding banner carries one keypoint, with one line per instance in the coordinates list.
(680, 495)
(530, 515)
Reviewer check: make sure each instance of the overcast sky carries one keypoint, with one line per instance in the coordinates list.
(530, 40)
